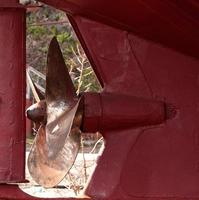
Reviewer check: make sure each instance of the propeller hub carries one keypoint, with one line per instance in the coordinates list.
(37, 112)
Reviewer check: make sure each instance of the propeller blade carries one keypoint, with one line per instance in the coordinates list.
(33, 88)
(58, 129)
(57, 143)
(49, 172)
(37, 111)
(59, 86)
(60, 99)
(39, 92)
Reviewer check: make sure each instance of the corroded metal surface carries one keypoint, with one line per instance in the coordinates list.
(60, 99)
(48, 171)
(57, 142)
(37, 112)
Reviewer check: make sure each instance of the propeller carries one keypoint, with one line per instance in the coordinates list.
(58, 139)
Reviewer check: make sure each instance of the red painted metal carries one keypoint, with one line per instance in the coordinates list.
(28, 122)
(12, 91)
(149, 162)
(101, 112)
(157, 157)
(172, 23)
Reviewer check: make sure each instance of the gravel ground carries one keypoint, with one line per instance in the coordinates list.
(71, 185)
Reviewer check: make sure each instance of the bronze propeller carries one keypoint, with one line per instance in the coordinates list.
(58, 139)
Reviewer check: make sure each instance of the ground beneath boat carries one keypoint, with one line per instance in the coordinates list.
(72, 185)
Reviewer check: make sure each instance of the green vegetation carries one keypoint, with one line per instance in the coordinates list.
(42, 25)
